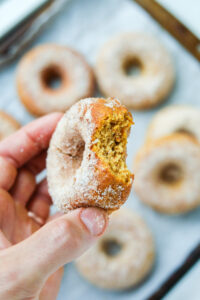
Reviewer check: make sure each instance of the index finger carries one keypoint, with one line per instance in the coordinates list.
(30, 140)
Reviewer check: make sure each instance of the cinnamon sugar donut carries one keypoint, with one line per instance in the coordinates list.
(136, 51)
(175, 118)
(52, 78)
(168, 174)
(86, 163)
(123, 256)
(8, 125)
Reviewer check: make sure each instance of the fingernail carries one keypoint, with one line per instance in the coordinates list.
(94, 219)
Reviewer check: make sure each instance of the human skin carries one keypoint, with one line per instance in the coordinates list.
(33, 246)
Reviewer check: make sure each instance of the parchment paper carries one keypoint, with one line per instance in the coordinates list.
(86, 25)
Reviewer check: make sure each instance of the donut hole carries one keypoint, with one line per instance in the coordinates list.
(171, 173)
(111, 247)
(52, 77)
(185, 131)
(73, 156)
(110, 142)
(132, 67)
(76, 155)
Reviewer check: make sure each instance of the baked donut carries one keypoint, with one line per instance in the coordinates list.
(52, 78)
(175, 118)
(123, 256)
(8, 125)
(86, 163)
(168, 174)
(135, 51)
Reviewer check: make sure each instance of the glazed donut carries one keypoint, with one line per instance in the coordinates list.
(52, 78)
(175, 118)
(168, 174)
(123, 256)
(8, 125)
(136, 50)
(86, 163)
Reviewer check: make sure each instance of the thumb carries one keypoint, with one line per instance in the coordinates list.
(57, 243)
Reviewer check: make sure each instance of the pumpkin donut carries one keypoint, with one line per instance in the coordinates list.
(137, 51)
(175, 118)
(52, 78)
(8, 125)
(168, 174)
(123, 256)
(86, 163)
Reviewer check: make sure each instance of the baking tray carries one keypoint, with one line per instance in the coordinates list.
(86, 25)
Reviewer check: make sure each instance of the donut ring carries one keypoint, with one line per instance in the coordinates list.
(8, 125)
(46, 65)
(86, 163)
(173, 119)
(167, 174)
(156, 76)
(123, 256)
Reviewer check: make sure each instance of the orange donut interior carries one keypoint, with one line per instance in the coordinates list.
(110, 141)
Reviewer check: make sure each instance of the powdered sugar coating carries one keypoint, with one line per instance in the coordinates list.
(76, 176)
(180, 197)
(173, 119)
(144, 90)
(131, 264)
(77, 79)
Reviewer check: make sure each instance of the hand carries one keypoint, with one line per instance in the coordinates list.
(32, 251)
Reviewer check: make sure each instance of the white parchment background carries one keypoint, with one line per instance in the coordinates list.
(86, 25)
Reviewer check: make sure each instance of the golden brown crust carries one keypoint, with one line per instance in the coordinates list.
(100, 110)
(31, 102)
(106, 179)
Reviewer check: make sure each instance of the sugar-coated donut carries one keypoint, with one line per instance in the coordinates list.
(86, 164)
(46, 66)
(123, 256)
(8, 125)
(175, 118)
(141, 91)
(167, 174)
